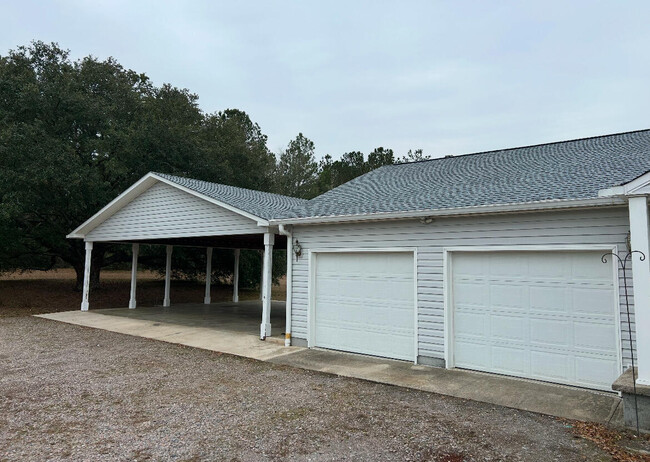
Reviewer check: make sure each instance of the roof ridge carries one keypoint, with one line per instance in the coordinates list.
(518, 147)
(229, 186)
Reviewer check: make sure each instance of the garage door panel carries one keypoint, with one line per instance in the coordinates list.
(548, 299)
(555, 333)
(511, 328)
(549, 266)
(594, 336)
(594, 302)
(364, 303)
(511, 266)
(508, 296)
(542, 315)
(584, 270)
(471, 294)
(551, 366)
(470, 268)
(476, 355)
(593, 371)
(507, 360)
(472, 324)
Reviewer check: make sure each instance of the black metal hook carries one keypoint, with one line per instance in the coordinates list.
(622, 263)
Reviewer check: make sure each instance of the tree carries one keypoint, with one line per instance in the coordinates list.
(75, 134)
(351, 165)
(235, 151)
(415, 155)
(297, 169)
(380, 157)
(324, 180)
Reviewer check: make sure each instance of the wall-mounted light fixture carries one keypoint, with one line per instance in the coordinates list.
(297, 249)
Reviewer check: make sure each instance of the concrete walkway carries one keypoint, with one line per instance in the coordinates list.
(233, 342)
(235, 339)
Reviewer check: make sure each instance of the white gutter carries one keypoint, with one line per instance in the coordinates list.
(460, 211)
(286, 231)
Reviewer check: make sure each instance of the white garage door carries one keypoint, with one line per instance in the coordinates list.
(542, 315)
(364, 303)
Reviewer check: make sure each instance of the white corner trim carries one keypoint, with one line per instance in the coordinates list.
(447, 303)
(460, 211)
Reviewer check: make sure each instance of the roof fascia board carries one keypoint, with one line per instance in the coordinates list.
(113, 206)
(485, 209)
(260, 221)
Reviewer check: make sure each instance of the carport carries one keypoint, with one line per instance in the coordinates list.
(172, 211)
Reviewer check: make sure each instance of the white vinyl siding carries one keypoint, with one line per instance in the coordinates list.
(164, 211)
(604, 226)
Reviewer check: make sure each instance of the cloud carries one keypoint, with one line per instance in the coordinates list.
(446, 77)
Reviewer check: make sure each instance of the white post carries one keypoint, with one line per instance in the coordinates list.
(265, 328)
(208, 276)
(235, 278)
(287, 328)
(168, 275)
(639, 237)
(262, 278)
(134, 273)
(86, 288)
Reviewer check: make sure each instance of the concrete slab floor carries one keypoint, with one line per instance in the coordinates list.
(233, 328)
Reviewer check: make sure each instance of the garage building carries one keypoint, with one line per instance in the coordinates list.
(495, 261)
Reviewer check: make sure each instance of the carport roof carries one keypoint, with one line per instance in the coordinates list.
(261, 204)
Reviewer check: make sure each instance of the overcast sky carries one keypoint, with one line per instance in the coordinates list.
(447, 77)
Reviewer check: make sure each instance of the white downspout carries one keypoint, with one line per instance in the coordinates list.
(286, 231)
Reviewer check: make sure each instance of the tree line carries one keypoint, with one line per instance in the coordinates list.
(76, 133)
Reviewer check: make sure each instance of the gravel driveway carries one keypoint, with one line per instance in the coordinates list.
(68, 392)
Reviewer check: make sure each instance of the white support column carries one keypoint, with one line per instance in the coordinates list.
(134, 274)
(208, 276)
(262, 278)
(288, 303)
(235, 278)
(86, 288)
(265, 328)
(168, 275)
(639, 236)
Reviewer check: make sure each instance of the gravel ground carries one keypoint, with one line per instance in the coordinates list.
(72, 393)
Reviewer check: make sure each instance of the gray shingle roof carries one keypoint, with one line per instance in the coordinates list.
(574, 169)
(261, 204)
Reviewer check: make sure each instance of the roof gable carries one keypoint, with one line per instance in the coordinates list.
(164, 212)
(253, 205)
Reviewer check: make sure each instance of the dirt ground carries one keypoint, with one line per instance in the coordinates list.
(72, 393)
(45, 292)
